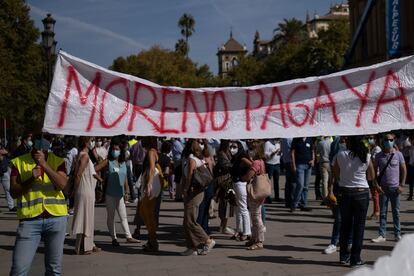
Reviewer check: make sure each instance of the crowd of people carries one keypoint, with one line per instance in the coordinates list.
(46, 177)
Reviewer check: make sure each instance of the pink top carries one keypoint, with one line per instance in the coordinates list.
(259, 167)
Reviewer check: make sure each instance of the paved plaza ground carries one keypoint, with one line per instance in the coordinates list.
(294, 244)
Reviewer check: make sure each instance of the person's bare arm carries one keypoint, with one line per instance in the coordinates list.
(152, 159)
(101, 166)
(126, 189)
(334, 177)
(58, 178)
(83, 162)
(403, 176)
(250, 173)
(372, 176)
(190, 170)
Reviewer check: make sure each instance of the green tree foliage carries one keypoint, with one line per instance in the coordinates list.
(181, 47)
(186, 23)
(247, 72)
(165, 67)
(295, 55)
(22, 68)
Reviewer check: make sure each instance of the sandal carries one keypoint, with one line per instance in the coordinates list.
(256, 246)
(373, 217)
(242, 238)
(250, 243)
(89, 252)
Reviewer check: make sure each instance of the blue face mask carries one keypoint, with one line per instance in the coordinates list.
(116, 153)
(388, 144)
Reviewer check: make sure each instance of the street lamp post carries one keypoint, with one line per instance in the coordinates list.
(49, 44)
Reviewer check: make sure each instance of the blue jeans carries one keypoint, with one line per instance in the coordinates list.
(203, 209)
(29, 233)
(300, 189)
(390, 194)
(5, 182)
(353, 205)
(273, 171)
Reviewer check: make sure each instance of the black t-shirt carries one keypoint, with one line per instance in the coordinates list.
(303, 150)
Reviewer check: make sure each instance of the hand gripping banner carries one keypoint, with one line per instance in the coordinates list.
(86, 99)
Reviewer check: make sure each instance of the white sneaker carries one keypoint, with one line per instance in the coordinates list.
(208, 247)
(189, 252)
(379, 239)
(228, 231)
(398, 238)
(330, 249)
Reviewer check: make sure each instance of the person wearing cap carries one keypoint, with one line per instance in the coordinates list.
(37, 181)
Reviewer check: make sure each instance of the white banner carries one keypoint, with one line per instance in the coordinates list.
(86, 99)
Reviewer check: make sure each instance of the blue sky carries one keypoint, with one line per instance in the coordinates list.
(101, 30)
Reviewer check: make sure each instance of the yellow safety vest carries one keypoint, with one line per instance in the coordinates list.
(132, 142)
(42, 196)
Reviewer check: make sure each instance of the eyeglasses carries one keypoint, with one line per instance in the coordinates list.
(389, 140)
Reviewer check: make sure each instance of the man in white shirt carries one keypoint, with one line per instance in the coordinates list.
(272, 153)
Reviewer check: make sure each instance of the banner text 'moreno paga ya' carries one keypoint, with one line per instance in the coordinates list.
(86, 99)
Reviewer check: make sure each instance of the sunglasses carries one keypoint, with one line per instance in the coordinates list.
(389, 140)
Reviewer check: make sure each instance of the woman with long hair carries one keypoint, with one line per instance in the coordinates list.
(241, 166)
(224, 190)
(203, 214)
(150, 191)
(116, 190)
(84, 194)
(193, 196)
(257, 167)
(351, 169)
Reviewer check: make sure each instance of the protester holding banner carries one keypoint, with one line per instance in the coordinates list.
(285, 145)
(392, 172)
(273, 152)
(37, 181)
(351, 168)
(116, 191)
(193, 196)
(374, 149)
(150, 191)
(257, 167)
(241, 167)
(84, 196)
(303, 158)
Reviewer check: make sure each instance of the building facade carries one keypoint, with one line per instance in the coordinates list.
(338, 12)
(229, 56)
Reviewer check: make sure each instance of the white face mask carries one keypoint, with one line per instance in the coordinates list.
(201, 147)
(99, 144)
(91, 145)
(30, 143)
(233, 151)
(127, 154)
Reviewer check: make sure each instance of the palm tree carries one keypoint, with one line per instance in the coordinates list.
(181, 47)
(186, 23)
(289, 31)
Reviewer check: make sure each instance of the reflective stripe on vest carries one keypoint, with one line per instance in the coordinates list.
(43, 188)
(40, 200)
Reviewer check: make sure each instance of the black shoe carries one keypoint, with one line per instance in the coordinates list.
(115, 243)
(358, 263)
(306, 209)
(14, 209)
(278, 199)
(344, 260)
(410, 198)
(292, 210)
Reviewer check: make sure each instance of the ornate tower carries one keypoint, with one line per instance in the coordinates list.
(229, 55)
